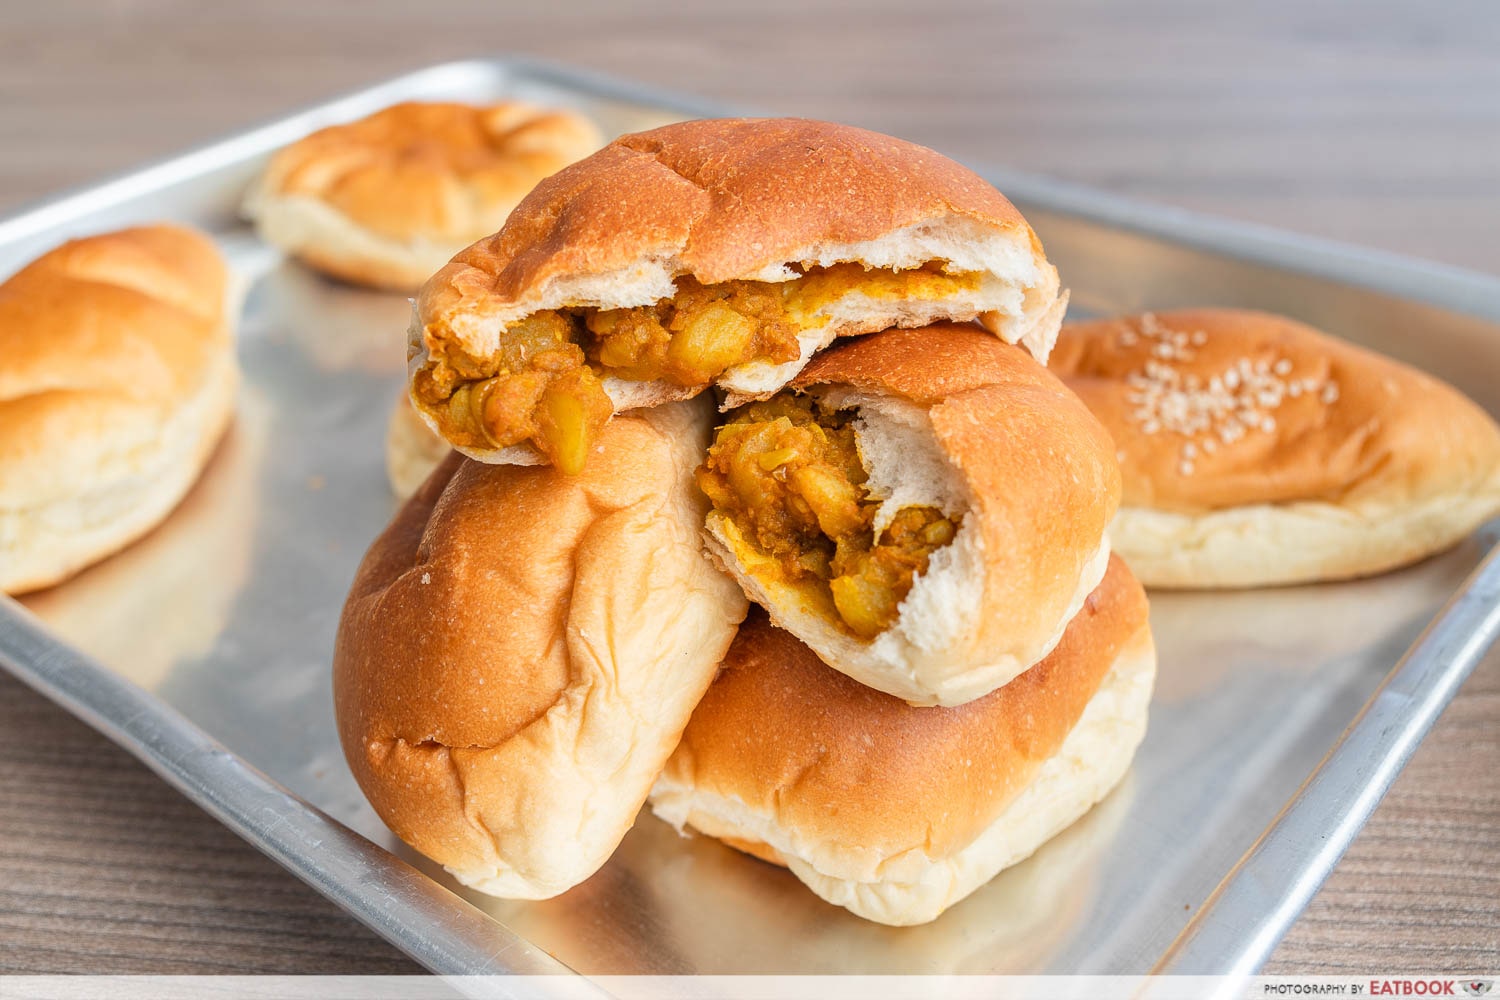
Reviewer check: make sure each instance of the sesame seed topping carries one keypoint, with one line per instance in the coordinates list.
(1165, 344)
(1207, 411)
(1211, 410)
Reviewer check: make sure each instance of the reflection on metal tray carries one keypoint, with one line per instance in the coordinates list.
(205, 648)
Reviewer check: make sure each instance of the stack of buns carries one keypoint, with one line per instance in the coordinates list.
(739, 485)
(946, 667)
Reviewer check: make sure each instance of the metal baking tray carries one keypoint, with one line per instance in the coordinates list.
(1281, 716)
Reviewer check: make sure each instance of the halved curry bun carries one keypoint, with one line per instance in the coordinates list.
(925, 508)
(894, 812)
(521, 650)
(719, 252)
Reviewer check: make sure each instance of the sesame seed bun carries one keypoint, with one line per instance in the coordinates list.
(1256, 450)
(897, 812)
(742, 199)
(951, 418)
(521, 650)
(117, 379)
(387, 200)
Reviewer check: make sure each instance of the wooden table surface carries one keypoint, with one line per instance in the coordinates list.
(1375, 123)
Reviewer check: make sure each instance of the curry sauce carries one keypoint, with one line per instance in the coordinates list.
(787, 472)
(544, 385)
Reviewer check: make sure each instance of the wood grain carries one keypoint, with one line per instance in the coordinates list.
(1376, 125)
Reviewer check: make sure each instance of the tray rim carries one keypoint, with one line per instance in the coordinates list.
(448, 935)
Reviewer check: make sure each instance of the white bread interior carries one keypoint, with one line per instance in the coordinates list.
(912, 887)
(919, 658)
(1017, 298)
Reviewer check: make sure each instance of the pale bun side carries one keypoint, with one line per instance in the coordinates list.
(1262, 545)
(329, 241)
(951, 418)
(894, 812)
(1092, 760)
(1256, 450)
(412, 449)
(521, 650)
(117, 382)
(48, 543)
(387, 200)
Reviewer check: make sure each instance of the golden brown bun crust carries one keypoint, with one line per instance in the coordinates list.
(839, 762)
(1041, 470)
(136, 312)
(385, 201)
(727, 197)
(426, 169)
(107, 344)
(520, 650)
(1360, 426)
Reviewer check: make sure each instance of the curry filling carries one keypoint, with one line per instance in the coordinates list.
(788, 475)
(544, 385)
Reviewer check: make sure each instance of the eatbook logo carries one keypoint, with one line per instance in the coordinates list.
(1478, 987)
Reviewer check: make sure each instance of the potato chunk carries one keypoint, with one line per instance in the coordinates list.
(708, 342)
(514, 395)
(788, 472)
(572, 411)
